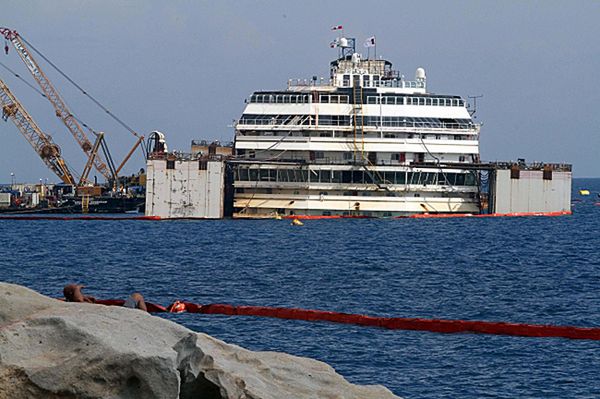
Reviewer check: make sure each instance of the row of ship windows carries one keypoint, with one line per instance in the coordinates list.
(402, 100)
(347, 120)
(344, 99)
(354, 177)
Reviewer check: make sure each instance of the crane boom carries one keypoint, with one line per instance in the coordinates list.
(41, 142)
(62, 112)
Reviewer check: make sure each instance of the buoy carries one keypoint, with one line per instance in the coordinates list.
(584, 192)
(297, 222)
(177, 307)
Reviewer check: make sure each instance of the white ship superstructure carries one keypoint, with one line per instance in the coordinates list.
(365, 142)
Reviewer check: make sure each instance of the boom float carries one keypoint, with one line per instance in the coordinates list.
(392, 323)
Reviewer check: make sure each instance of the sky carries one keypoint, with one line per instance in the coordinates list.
(185, 68)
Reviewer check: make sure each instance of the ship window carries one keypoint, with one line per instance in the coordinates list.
(170, 164)
(324, 176)
(371, 100)
(388, 177)
(346, 81)
(302, 175)
(443, 179)
(366, 81)
(202, 165)
(243, 174)
(282, 175)
(346, 176)
(400, 178)
(428, 101)
(357, 176)
(460, 179)
(253, 174)
(324, 99)
(286, 99)
(421, 101)
(319, 155)
(430, 178)
(356, 80)
(470, 180)
(344, 99)
(264, 174)
(336, 176)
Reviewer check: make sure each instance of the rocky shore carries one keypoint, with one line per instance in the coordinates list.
(52, 349)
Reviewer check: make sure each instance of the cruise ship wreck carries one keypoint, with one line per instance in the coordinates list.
(366, 142)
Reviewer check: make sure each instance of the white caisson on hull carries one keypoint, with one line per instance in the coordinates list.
(364, 143)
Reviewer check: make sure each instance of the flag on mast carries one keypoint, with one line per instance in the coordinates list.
(370, 42)
(337, 27)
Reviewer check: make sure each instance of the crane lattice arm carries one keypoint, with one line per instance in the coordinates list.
(41, 142)
(62, 112)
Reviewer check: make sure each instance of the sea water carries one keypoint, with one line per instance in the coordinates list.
(528, 270)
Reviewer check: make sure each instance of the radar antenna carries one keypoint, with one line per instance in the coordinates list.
(473, 108)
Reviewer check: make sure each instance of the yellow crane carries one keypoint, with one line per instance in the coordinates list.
(42, 143)
(62, 112)
(70, 121)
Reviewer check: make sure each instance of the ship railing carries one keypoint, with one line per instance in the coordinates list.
(182, 156)
(304, 160)
(395, 82)
(207, 143)
(308, 122)
(558, 167)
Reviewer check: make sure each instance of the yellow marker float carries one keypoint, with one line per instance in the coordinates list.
(297, 222)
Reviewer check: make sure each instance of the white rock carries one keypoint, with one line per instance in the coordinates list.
(53, 349)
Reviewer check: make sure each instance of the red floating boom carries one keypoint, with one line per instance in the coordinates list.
(393, 323)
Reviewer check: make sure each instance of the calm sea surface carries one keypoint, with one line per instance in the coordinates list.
(530, 270)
